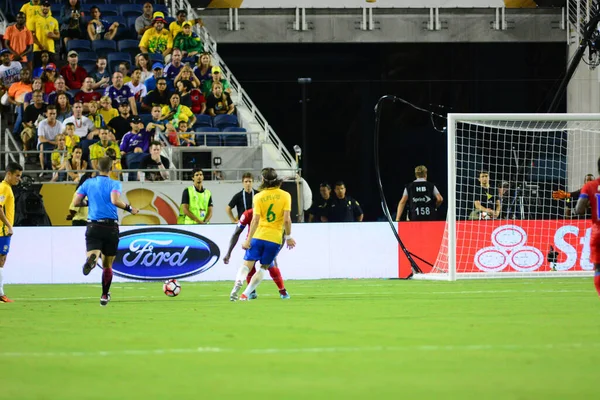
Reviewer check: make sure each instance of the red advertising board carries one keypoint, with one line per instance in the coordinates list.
(501, 246)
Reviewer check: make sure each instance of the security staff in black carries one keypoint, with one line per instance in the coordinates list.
(319, 206)
(342, 208)
(242, 201)
(423, 198)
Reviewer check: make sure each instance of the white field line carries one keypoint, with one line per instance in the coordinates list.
(395, 293)
(304, 350)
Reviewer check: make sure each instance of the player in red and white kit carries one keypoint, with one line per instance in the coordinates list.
(590, 197)
(274, 271)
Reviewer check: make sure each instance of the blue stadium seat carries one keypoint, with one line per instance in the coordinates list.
(235, 140)
(129, 46)
(203, 120)
(87, 56)
(118, 2)
(133, 161)
(115, 58)
(116, 18)
(89, 66)
(104, 46)
(208, 140)
(225, 121)
(162, 8)
(131, 26)
(55, 8)
(79, 45)
(156, 57)
(109, 12)
(73, 92)
(130, 10)
(234, 129)
(169, 20)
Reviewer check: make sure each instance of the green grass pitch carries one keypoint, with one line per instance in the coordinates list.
(358, 339)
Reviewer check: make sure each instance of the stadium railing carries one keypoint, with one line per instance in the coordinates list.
(248, 111)
(579, 13)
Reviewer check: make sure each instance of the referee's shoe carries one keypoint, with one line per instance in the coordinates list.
(89, 265)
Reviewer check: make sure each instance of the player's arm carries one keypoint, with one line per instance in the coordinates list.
(115, 199)
(498, 209)
(5, 220)
(582, 204)
(230, 214)
(481, 208)
(233, 241)
(401, 205)
(208, 215)
(287, 228)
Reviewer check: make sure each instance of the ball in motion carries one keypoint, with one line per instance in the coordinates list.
(171, 287)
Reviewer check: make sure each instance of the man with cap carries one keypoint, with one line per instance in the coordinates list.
(216, 77)
(188, 42)
(118, 92)
(45, 30)
(157, 70)
(176, 26)
(10, 71)
(74, 74)
(144, 21)
(137, 140)
(159, 96)
(157, 39)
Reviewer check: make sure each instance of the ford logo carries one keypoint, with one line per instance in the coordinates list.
(159, 253)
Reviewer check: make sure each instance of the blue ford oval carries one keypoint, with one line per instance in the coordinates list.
(160, 253)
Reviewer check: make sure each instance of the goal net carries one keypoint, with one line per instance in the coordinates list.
(516, 180)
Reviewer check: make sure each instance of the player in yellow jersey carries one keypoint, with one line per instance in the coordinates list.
(7, 217)
(272, 207)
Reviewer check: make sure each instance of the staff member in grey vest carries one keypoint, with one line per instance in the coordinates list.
(423, 198)
(242, 201)
(196, 202)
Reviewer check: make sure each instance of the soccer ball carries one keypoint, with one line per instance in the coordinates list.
(171, 287)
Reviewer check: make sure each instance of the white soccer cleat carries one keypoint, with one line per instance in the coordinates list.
(236, 291)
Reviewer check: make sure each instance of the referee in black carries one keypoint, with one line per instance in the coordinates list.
(423, 198)
(242, 201)
(102, 234)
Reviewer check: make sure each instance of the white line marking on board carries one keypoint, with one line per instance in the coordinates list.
(304, 350)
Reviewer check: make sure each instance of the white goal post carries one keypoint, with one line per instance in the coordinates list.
(503, 172)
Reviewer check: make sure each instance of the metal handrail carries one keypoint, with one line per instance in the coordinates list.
(10, 139)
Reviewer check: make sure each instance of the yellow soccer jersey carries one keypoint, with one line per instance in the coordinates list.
(42, 26)
(270, 205)
(31, 11)
(98, 151)
(7, 202)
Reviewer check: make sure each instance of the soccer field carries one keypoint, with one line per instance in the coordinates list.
(509, 339)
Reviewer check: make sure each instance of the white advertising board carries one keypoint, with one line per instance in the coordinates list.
(377, 3)
(195, 253)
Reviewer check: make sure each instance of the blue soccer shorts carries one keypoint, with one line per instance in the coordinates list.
(4, 245)
(262, 251)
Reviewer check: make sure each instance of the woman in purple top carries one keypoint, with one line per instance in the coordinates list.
(35, 85)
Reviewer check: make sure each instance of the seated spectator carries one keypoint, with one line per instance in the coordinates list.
(87, 94)
(98, 149)
(59, 159)
(63, 107)
(157, 70)
(157, 39)
(45, 60)
(188, 41)
(47, 131)
(59, 87)
(184, 88)
(154, 161)
(10, 71)
(76, 164)
(159, 96)
(175, 110)
(118, 92)
(16, 96)
(95, 116)
(143, 63)
(99, 28)
(71, 22)
(203, 70)
(187, 74)
(84, 127)
(177, 26)
(185, 139)
(157, 125)
(18, 39)
(72, 72)
(35, 85)
(216, 78)
(198, 101)
(137, 140)
(138, 89)
(101, 75)
(173, 68)
(115, 172)
(120, 124)
(106, 110)
(144, 21)
(219, 102)
(124, 68)
(31, 118)
(71, 139)
(48, 78)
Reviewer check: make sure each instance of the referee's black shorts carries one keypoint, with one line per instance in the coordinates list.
(103, 236)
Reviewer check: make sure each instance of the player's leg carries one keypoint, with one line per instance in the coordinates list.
(4, 248)
(269, 251)
(597, 277)
(253, 295)
(595, 258)
(250, 257)
(93, 245)
(278, 279)
(109, 252)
